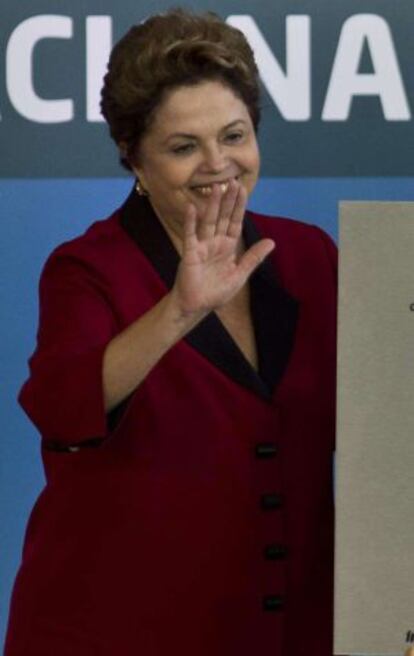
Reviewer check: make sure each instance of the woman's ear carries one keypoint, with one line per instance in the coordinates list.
(140, 184)
(123, 149)
(139, 187)
(140, 176)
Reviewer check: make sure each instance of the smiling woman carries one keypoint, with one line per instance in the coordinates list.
(183, 386)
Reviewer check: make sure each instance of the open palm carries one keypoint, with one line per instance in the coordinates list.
(212, 269)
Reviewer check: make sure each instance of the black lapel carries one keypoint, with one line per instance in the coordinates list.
(275, 314)
(274, 311)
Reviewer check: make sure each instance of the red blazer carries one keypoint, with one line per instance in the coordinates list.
(197, 518)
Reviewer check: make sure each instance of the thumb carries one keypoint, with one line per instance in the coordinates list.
(253, 257)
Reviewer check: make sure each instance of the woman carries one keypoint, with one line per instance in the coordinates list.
(183, 384)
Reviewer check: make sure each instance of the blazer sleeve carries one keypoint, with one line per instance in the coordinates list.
(64, 393)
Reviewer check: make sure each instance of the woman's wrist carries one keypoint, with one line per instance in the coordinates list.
(181, 317)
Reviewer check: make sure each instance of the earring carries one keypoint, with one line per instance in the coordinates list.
(139, 189)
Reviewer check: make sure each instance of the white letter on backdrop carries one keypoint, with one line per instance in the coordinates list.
(290, 91)
(19, 69)
(385, 82)
(98, 48)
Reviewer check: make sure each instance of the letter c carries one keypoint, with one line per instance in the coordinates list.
(19, 69)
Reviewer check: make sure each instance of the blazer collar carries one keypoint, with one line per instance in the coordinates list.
(274, 311)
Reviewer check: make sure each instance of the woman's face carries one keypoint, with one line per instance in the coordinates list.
(200, 134)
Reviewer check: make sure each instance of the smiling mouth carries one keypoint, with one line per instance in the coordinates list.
(206, 190)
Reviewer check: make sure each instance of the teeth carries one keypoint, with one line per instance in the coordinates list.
(207, 189)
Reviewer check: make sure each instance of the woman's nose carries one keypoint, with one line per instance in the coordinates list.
(214, 159)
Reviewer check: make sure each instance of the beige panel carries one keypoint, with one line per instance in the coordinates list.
(374, 593)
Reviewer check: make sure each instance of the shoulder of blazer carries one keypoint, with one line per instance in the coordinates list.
(282, 225)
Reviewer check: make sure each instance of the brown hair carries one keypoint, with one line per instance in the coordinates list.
(166, 51)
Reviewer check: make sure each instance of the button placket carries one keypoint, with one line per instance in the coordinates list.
(271, 501)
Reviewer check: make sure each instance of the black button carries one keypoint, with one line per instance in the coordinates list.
(270, 501)
(273, 603)
(266, 450)
(275, 552)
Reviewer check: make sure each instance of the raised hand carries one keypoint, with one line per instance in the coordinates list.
(213, 267)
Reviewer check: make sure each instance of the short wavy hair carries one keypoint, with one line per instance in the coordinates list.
(167, 51)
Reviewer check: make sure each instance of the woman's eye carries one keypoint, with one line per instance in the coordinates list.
(234, 136)
(183, 149)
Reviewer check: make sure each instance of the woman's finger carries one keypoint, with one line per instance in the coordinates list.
(236, 219)
(190, 229)
(227, 207)
(252, 258)
(207, 223)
